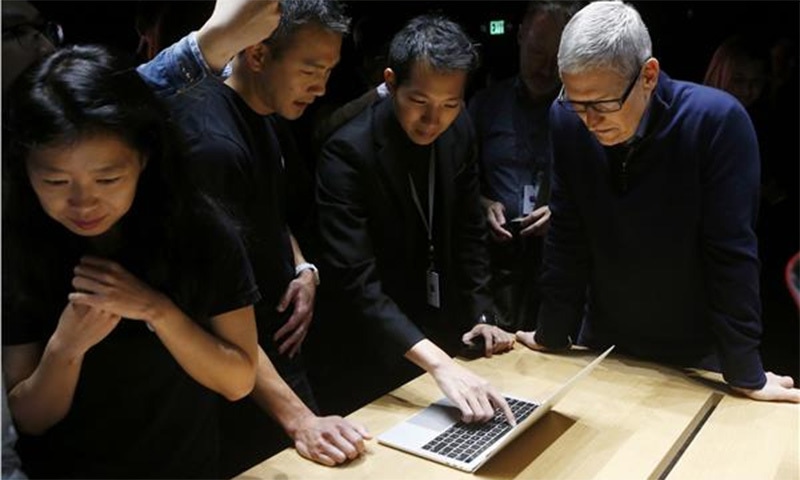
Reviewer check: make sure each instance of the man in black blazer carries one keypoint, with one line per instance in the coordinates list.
(403, 232)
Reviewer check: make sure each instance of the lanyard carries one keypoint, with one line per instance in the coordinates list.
(428, 222)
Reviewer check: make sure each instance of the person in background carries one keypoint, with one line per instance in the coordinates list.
(739, 67)
(371, 37)
(510, 119)
(106, 308)
(654, 201)
(161, 23)
(237, 159)
(27, 37)
(402, 229)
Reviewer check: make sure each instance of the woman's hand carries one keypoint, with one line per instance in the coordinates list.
(107, 286)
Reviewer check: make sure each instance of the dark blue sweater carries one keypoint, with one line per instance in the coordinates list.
(668, 249)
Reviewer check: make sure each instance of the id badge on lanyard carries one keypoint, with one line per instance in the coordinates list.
(434, 297)
(432, 288)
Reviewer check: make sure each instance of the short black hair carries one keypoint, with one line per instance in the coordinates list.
(295, 14)
(435, 40)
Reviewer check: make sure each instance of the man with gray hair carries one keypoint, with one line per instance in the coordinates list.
(654, 202)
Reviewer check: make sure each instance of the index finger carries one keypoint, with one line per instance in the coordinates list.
(499, 401)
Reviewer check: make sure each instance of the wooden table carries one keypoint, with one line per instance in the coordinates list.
(743, 439)
(627, 420)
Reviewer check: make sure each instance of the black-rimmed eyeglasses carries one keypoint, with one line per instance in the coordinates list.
(599, 106)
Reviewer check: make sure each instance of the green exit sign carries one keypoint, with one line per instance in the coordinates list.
(497, 27)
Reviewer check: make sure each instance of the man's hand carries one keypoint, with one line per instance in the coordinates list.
(536, 223)
(527, 339)
(474, 396)
(496, 340)
(778, 388)
(301, 293)
(495, 215)
(329, 440)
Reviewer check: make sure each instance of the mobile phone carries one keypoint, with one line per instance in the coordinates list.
(513, 226)
(475, 349)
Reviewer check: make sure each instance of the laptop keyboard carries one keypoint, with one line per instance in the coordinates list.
(465, 441)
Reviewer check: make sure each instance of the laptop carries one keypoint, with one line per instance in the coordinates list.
(436, 433)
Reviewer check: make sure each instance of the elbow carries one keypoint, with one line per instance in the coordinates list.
(32, 427)
(27, 420)
(239, 393)
(239, 390)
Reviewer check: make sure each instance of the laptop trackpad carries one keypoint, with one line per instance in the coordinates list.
(437, 416)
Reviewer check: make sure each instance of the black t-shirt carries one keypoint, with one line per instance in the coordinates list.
(136, 413)
(235, 157)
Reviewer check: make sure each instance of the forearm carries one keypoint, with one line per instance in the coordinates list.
(730, 249)
(276, 398)
(296, 251)
(44, 398)
(566, 260)
(214, 362)
(486, 202)
(427, 356)
(233, 26)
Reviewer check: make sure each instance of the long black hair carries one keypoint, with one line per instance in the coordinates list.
(75, 93)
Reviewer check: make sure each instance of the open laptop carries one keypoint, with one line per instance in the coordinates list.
(436, 433)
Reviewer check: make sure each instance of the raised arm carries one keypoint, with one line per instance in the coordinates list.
(235, 25)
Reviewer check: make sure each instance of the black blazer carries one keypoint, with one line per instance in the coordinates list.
(370, 227)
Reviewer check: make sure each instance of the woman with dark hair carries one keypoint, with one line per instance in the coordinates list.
(127, 296)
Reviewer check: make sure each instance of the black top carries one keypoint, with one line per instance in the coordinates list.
(373, 239)
(236, 158)
(136, 413)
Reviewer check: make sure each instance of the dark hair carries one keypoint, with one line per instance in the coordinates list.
(562, 9)
(328, 14)
(73, 94)
(435, 40)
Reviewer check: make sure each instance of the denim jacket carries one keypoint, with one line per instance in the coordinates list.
(177, 68)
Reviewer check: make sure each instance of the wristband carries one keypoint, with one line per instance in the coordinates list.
(486, 318)
(307, 266)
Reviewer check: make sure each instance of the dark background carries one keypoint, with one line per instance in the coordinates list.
(684, 34)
